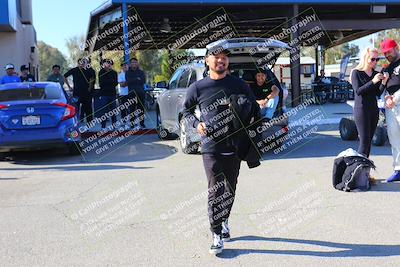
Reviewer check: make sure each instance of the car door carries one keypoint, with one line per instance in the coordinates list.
(178, 96)
(165, 103)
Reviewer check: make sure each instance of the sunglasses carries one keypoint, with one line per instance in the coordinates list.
(374, 59)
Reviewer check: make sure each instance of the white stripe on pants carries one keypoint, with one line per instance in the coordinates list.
(393, 129)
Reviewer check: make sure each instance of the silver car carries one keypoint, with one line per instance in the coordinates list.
(247, 56)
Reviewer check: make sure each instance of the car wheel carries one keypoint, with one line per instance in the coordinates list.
(379, 138)
(348, 129)
(73, 149)
(187, 146)
(162, 133)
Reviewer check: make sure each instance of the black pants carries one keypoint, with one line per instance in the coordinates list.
(222, 173)
(84, 104)
(366, 122)
(108, 105)
(122, 100)
(138, 107)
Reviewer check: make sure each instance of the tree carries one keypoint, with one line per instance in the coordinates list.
(333, 55)
(149, 61)
(171, 60)
(49, 56)
(380, 36)
(75, 45)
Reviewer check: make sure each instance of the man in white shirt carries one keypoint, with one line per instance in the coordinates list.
(123, 91)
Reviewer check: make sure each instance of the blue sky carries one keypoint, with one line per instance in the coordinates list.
(57, 20)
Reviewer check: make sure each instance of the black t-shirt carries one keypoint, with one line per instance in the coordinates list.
(81, 80)
(108, 80)
(262, 91)
(28, 78)
(393, 84)
(212, 98)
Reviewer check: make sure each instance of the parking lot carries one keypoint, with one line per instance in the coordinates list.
(146, 201)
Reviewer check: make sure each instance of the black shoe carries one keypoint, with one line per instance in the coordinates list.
(225, 231)
(217, 245)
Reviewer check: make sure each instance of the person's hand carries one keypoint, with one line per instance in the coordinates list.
(389, 102)
(201, 129)
(385, 78)
(377, 78)
(262, 103)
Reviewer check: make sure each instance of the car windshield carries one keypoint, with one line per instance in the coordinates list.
(33, 93)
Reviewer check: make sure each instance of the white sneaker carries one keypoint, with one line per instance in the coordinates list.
(217, 245)
(226, 236)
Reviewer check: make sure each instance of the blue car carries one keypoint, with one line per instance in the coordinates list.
(37, 116)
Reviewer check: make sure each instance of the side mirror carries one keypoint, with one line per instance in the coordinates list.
(162, 84)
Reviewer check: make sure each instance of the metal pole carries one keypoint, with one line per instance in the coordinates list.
(316, 62)
(295, 62)
(125, 31)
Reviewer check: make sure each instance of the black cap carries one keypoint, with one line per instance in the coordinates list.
(217, 50)
(109, 61)
(24, 67)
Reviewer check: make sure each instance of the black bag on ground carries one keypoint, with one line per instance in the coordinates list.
(352, 171)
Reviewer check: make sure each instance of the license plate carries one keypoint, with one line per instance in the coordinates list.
(30, 120)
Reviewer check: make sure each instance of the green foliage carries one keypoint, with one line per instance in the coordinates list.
(392, 34)
(173, 59)
(49, 56)
(74, 45)
(149, 61)
(160, 78)
(334, 55)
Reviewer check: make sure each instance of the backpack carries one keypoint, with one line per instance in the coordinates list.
(351, 171)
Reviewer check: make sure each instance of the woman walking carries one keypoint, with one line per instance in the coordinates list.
(366, 81)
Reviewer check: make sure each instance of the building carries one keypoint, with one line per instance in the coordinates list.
(130, 25)
(307, 71)
(18, 43)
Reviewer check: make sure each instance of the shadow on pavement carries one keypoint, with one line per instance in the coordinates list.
(342, 250)
(383, 186)
(77, 168)
(321, 144)
(136, 149)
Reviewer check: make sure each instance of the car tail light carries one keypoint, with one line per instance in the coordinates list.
(2, 106)
(69, 111)
(285, 129)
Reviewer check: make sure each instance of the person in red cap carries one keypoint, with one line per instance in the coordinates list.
(391, 85)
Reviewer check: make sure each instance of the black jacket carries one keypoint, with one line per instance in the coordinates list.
(244, 141)
(135, 80)
(393, 84)
(108, 80)
(343, 170)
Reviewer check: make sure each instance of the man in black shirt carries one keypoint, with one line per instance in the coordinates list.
(391, 83)
(25, 75)
(135, 79)
(220, 161)
(321, 77)
(108, 80)
(84, 78)
(267, 94)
